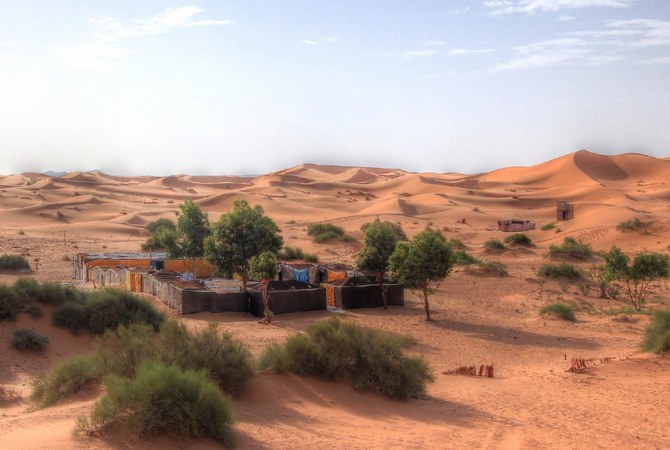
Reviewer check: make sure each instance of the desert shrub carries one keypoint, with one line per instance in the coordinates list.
(628, 310)
(225, 359)
(548, 226)
(584, 288)
(657, 334)
(456, 244)
(493, 267)
(158, 229)
(27, 339)
(396, 226)
(162, 399)
(66, 378)
(336, 350)
(562, 310)
(494, 244)
(13, 262)
(571, 247)
(9, 394)
(311, 257)
(613, 291)
(322, 232)
(291, 253)
(104, 310)
(630, 225)
(10, 304)
(463, 258)
(519, 239)
(562, 270)
(121, 351)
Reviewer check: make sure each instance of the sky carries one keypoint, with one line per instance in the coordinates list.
(250, 86)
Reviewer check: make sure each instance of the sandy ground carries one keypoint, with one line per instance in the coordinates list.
(532, 402)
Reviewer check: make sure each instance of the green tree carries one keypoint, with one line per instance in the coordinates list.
(379, 243)
(238, 236)
(638, 275)
(158, 229)
(189, 238)
(422, 264)
(264, 267)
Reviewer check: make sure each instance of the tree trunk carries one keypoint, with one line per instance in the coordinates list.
(194, 267)
(267, 312)
(425, 304)
(244, 284)
(381, 286)
(603, 290)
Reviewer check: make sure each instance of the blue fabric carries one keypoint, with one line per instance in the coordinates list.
(301, 275)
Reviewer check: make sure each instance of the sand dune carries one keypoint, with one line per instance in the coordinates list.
(480, 317)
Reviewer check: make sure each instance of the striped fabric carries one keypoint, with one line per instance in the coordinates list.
(330, 294)
(332, 275)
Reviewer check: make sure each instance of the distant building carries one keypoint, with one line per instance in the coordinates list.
(516, 225)
(565, 211)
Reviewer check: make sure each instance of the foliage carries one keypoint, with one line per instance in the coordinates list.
(289, 253)
(336, 350)
(162, 399)
(494, 244)
(638, 275)
(462, 258)
(571, 247)
(562, 270)
(122, 350)
(630, 225)
(322, 232)
(494, 267)
(601, 278)
(519, 239)
(379, 244)
(102, 310)
(396, 226)
(64, 379)
(548, 226)
(13, 262)
(159, 229)
(238, 236)
(562, 310)
(263, 266)
(188, 240)
(10, 303)
(27, 339)
(456, 244)
(657, 334)
(422, 263)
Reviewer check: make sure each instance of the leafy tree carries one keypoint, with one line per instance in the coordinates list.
(189, 238)
(396, 227)
(158, 229)
(601, 277)
(422, 264)
(238, 236)
(638, 275)
(379, 243)
(264, 267)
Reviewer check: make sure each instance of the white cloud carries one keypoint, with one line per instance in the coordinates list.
(651, 32)
(657, 61)
(433, 43)
(565, 18)
(546, 54)
(409, 54)
(324, 40)
(601, 60)
(458, 11)
(309, 42)
(464, 51)
(108, 28)
(533, 6)
(93, 56)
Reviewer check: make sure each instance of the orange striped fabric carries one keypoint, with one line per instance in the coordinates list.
(332, 275)
(330, 294)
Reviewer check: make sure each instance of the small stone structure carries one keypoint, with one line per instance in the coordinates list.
(565, 211)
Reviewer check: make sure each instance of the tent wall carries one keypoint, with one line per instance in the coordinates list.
(370, 296)
(288, 301)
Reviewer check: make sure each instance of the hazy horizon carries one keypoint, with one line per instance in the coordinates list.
(210, 88)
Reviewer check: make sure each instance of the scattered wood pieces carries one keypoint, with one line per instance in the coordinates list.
(485, 370)
(581, 364)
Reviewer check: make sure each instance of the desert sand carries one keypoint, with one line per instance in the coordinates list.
(479, 318)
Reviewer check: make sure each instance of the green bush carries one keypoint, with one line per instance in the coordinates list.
(562, 310)
(571, 247)
(493, 267)
(336, 350)
(456, 244)
(463, 258)
(163, 399)
(27, 339)
(494, 244)
(519, 239)
(657, 334)
(121, 351)
(630, 225)
(226, 360)
(548, 226)
(10, 303)
(104, 310)
(562, 270)
(322, 232)
(66, 378)
(293, 253)
(13, 262)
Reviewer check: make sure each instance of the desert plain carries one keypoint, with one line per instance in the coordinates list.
(478, 318)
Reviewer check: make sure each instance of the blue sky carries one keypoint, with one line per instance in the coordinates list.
(249, 86)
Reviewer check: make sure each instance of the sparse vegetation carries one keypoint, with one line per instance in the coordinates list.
(562, 310)
(519, 239)
(494, 244)
(289, 253)
(162, 399)
(657, 334)
(562, 270)
(379, 244)
(463, 258)
(493, 267)
(630, 225)
(456, 244)
(27, 339)
(159, 229)
(13, 262)
(65, 379)
(571, 247)
(336, 350)
(397, 228)
(322, 232)
(548, 226)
